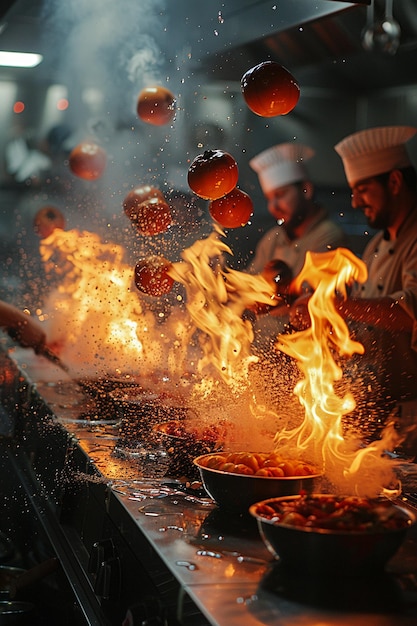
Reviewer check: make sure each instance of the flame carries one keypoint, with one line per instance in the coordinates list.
(102, 323)
(320, 435)
(216, 299)
(97, 317)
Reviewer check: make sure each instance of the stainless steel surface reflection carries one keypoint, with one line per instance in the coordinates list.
(212, 558)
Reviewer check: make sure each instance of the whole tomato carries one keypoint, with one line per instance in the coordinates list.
(213, 174)
(151, 217)
(138, 195)
(269, 89)
(232, 210)
(46, 220)
(88, 160)
(156, 105)
(151, 276)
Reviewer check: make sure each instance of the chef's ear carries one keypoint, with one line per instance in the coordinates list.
(395, 181)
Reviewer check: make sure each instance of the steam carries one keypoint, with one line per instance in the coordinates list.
(144, 66)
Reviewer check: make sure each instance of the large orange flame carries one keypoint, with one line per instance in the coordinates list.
(99, 318)
(103, 324)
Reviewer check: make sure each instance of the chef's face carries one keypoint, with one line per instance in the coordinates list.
(372, 197)
(288, 204)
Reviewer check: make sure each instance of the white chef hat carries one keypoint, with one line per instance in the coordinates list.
(281, 165)
(375, 151)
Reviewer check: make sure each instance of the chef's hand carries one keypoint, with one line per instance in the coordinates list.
(28, 334)
(277, 273)
(22, 328)
(299, 317)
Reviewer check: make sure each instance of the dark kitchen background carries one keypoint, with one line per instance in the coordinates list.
(98, 55)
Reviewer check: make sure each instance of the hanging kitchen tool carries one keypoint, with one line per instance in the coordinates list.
(384, 34)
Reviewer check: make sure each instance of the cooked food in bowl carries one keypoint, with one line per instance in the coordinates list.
(343, 513)
(235, 480)
(257, 464)
(326, 534)
(210, 435)
(140, 410)
(183, 441)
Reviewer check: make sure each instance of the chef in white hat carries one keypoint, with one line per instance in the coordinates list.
(302, 224)
(383, 310)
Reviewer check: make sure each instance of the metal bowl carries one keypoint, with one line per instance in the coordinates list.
(183, 444)
(17, 613)
(237, 492)
(352, 551)
(140, 410)
(8, 577)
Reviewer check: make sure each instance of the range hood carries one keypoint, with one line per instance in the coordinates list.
(323, 43)
(206, 29)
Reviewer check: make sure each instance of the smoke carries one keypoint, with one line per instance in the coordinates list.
(105, 53)
(144, 65)
(114, 47)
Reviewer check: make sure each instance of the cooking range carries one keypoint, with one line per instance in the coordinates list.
(132, 547)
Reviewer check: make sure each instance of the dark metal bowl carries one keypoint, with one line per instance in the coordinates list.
(140, 410)
(323, 551)
(17, 613)
(8, 577)
(182, 445)
(236, 492)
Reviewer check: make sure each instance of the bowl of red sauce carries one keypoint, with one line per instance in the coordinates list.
(326, 534)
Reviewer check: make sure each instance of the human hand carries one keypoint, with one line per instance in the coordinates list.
(299, 316)
(28, 333)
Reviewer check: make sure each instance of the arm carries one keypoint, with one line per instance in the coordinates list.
(22, 327)
(386, 313)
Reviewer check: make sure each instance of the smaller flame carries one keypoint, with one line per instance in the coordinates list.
(320, 435)
(216, 300)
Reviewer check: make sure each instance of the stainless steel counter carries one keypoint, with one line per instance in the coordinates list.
(138, 542)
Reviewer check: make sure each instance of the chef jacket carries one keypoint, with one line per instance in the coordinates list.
(392, 271)
(322, 235)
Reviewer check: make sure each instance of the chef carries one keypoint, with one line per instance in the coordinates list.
(383, 310)
(302, 225)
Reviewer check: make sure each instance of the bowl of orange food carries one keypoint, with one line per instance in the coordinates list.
(325, 534)
(235, 480)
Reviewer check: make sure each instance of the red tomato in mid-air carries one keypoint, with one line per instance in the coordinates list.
(151, 276)
(269, 89)
(156, 105)
(151, 217)
(88, 160)
(213, 174)
(138, 195)
(232, 210)
(47, 220)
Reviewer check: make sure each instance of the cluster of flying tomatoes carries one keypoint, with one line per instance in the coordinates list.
(268, 89)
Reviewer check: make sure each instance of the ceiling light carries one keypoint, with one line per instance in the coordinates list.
(19, 59)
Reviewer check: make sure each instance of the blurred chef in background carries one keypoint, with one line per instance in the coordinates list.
(302, 225)
(383, 311)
